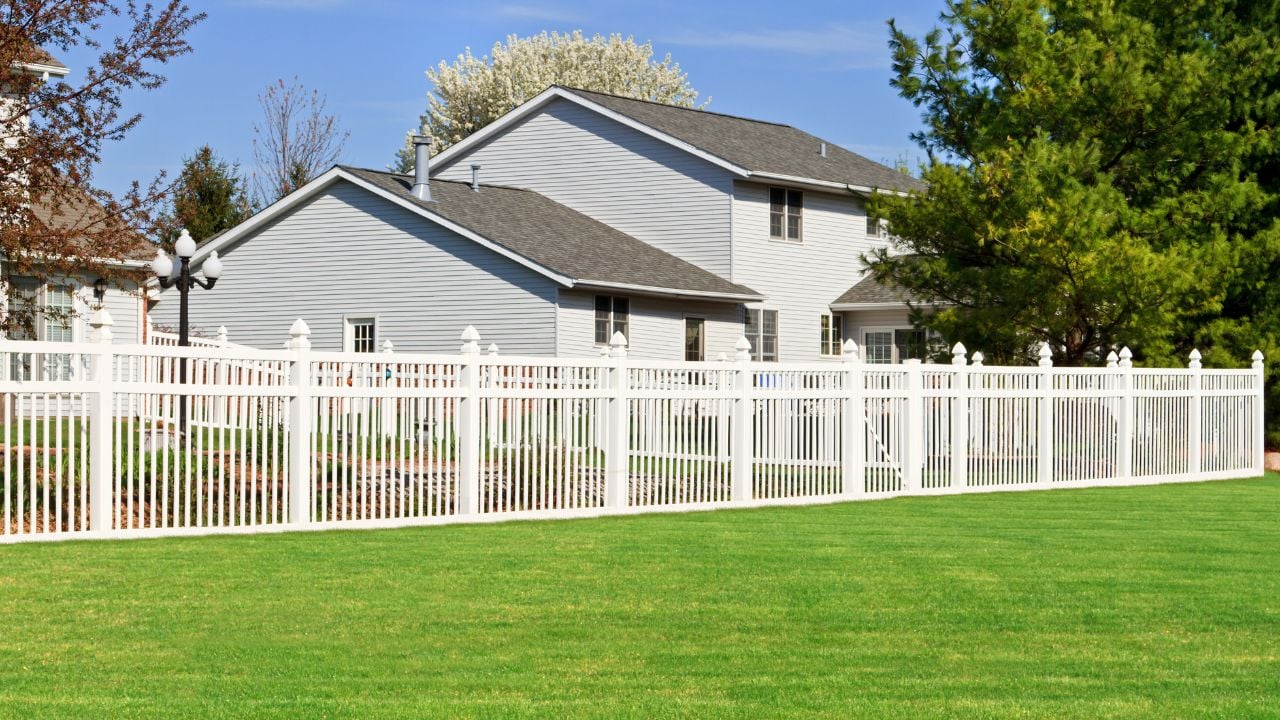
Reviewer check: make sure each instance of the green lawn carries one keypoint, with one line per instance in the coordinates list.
(1137, 602)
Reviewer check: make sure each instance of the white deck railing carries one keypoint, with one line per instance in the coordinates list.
(297, 439)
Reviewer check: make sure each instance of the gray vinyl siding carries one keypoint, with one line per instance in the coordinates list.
(125, 307)
(642, 186)
(656, 326)
(350, 253)
(801, 279)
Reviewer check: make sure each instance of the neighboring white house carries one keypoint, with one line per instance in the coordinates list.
(575, 215)
(79, 294)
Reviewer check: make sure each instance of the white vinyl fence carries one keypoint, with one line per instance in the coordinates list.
(297, 439)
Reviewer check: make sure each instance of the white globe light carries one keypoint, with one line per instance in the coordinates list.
(162, 266)
(185, 247)
(212, 266)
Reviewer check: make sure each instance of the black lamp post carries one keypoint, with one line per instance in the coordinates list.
(185, 281)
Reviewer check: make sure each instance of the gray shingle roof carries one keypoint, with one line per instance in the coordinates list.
(756, 145)
(556, 237)
(872, 292)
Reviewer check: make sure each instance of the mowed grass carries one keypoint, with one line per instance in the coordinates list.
(1131, 602)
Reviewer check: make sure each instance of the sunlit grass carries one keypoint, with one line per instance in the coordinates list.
(1158, 601)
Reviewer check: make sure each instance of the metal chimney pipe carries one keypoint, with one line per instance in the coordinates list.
(823, 151)
(422, 167)
(475, 178)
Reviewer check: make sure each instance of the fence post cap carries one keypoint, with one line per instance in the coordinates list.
(1046, 355)
(299, 335)
(618, 345)
(604, 351)
(1257, 358)
(849, 351)
(1112, 358)
(387, 346)
(977, 358)
(1194, 357)
(1126, 357)
(101, 323)
(493, 348)
(470, 340)
(722, 358)
(742, 349)
(958, 352)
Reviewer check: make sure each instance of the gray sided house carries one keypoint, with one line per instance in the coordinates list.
(576, 215)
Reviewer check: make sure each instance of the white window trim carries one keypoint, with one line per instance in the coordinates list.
(348, 330)
(755, 341)
(839, 344)
(783, 239)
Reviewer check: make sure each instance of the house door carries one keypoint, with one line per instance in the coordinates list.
(694, 338)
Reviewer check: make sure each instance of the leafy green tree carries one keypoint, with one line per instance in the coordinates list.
(473, 92)
(1092, 176)
(210, 196)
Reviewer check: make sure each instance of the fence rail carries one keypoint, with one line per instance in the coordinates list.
(101, 440)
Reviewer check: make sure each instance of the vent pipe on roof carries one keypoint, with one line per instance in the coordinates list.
(475, 178)
(823, 150)
(422, 167)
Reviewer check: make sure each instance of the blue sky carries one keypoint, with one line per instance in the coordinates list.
(821, 66)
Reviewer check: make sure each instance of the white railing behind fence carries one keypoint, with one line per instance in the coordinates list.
(102, 440)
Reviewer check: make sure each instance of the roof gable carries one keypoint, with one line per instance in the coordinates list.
(531, 229)
(744, 146)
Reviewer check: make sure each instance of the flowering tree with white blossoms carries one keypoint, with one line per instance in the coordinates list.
(473, 92)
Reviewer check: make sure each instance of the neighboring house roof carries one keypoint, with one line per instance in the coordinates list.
(870, 293)
(39, 60)
(769, 151)
(559, 242)
(79, 212)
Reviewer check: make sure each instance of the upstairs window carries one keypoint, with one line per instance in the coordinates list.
(612, 315)
(761, 329)
(832, 335)
(785, 210)
(876, 228)
(362, 335)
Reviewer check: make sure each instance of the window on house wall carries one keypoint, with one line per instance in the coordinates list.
(695, 339)
(785, 214)
(876, 227)
(612, 316)
(59, 304)
(361, 335)
(893, 345)
(832, 335)
(761, 329)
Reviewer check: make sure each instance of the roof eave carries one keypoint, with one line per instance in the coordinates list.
(654, 291)
(827, 184)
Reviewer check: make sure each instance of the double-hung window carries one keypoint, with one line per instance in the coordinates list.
(761, 329)
(785, 214)
(893, 345)
(50, 310)
(361, 334)
(876, 229)
(612, 315)
(832, 335)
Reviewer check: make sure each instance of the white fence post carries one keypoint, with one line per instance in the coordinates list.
(387, 405)
(101, 424)
(959, 417)
(468, 433)
(1044, 443)
(222, 336)
(854, 437)
(301, 431)
(1259, 415)
(1194, 411)
(743, 414)
(1124, 421)
(618, 428)
(913, 448)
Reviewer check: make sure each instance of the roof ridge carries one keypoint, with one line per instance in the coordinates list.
(434, 179)
(677, 107)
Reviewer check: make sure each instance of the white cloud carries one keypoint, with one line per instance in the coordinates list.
(848, 47)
